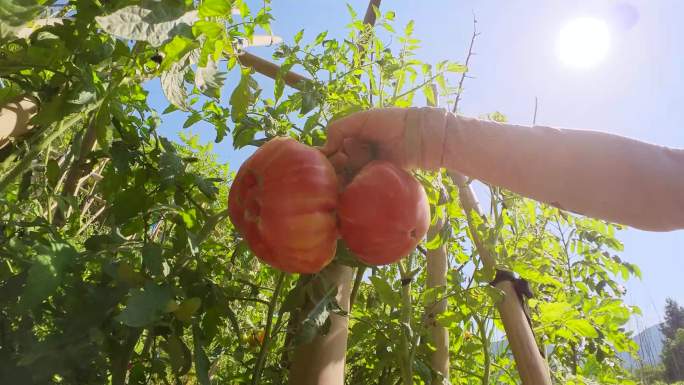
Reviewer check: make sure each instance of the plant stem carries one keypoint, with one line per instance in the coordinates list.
(405, 323)
(357, 283)
(485, 347)
(261, 359)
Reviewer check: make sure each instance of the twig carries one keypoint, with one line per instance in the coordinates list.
(256, 376)
(467, 62)
(534, 117)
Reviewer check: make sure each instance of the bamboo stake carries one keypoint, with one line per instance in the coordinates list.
(436, 281)
(531, 365)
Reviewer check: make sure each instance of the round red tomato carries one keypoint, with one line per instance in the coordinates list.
(383, 213)
(283, 201)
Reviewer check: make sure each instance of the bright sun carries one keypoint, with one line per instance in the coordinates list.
(583, 42)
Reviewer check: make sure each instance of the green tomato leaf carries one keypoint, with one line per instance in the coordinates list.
(582, 327)
(215, 8)
(52, 172)
(179, 355)
(45, 275)
(146, 306)
(154, 25)
(243, 96)
(187, 309)
(315, 321)
(385, 291)
(152, 258)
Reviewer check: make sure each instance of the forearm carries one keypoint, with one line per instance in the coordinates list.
(591, 173)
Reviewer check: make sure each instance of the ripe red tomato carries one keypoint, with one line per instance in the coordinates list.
(283, 201)
(383, 213)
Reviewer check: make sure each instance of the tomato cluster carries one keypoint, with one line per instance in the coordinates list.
(289, 206)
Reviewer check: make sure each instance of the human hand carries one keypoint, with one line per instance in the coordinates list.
(409, 137)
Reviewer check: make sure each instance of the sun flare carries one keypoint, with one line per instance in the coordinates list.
(583, 42)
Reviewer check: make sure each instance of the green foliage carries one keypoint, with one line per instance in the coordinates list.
(119, 265)
(673, 350)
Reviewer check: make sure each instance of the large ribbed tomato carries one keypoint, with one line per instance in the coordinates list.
(383, 213)
(283, 201)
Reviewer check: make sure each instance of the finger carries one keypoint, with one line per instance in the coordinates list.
(383, 125)
(359, 153)
(338, 130)
(339, 161)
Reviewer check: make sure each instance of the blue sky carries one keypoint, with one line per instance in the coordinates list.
(636, 91)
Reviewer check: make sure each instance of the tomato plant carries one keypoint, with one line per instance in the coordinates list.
(119, 265)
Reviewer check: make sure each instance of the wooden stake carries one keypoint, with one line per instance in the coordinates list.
(271, 70)
(436, 280)
(14, 118)
(321, 362)
(531, 365)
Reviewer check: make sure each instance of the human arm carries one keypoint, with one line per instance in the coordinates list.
(592, 173)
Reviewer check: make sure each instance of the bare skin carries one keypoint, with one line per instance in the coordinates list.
(592, 173)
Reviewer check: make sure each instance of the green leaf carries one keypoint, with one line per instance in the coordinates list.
(128, 203)
(294, 300)
(209, 77)
(14, 13)
(385, 291)
(45, 275)
(192, 119)
(52, 172)
(215, 8)
(207, 187)
(201, 359)
(554, 311)
(146, 306)
(210, 29)
(178, 50)
(154, 25)
(298, 36)
(152, 258)
(408, 30)
(242, 96)
(179, 355)
(187, 309)
(424, 372)
(581, 327)
(316, 319)
(173, 86)
(102, 121)
(351, 11)
(449, 319)
(310, 99)
(456, 68)
(100, 242)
